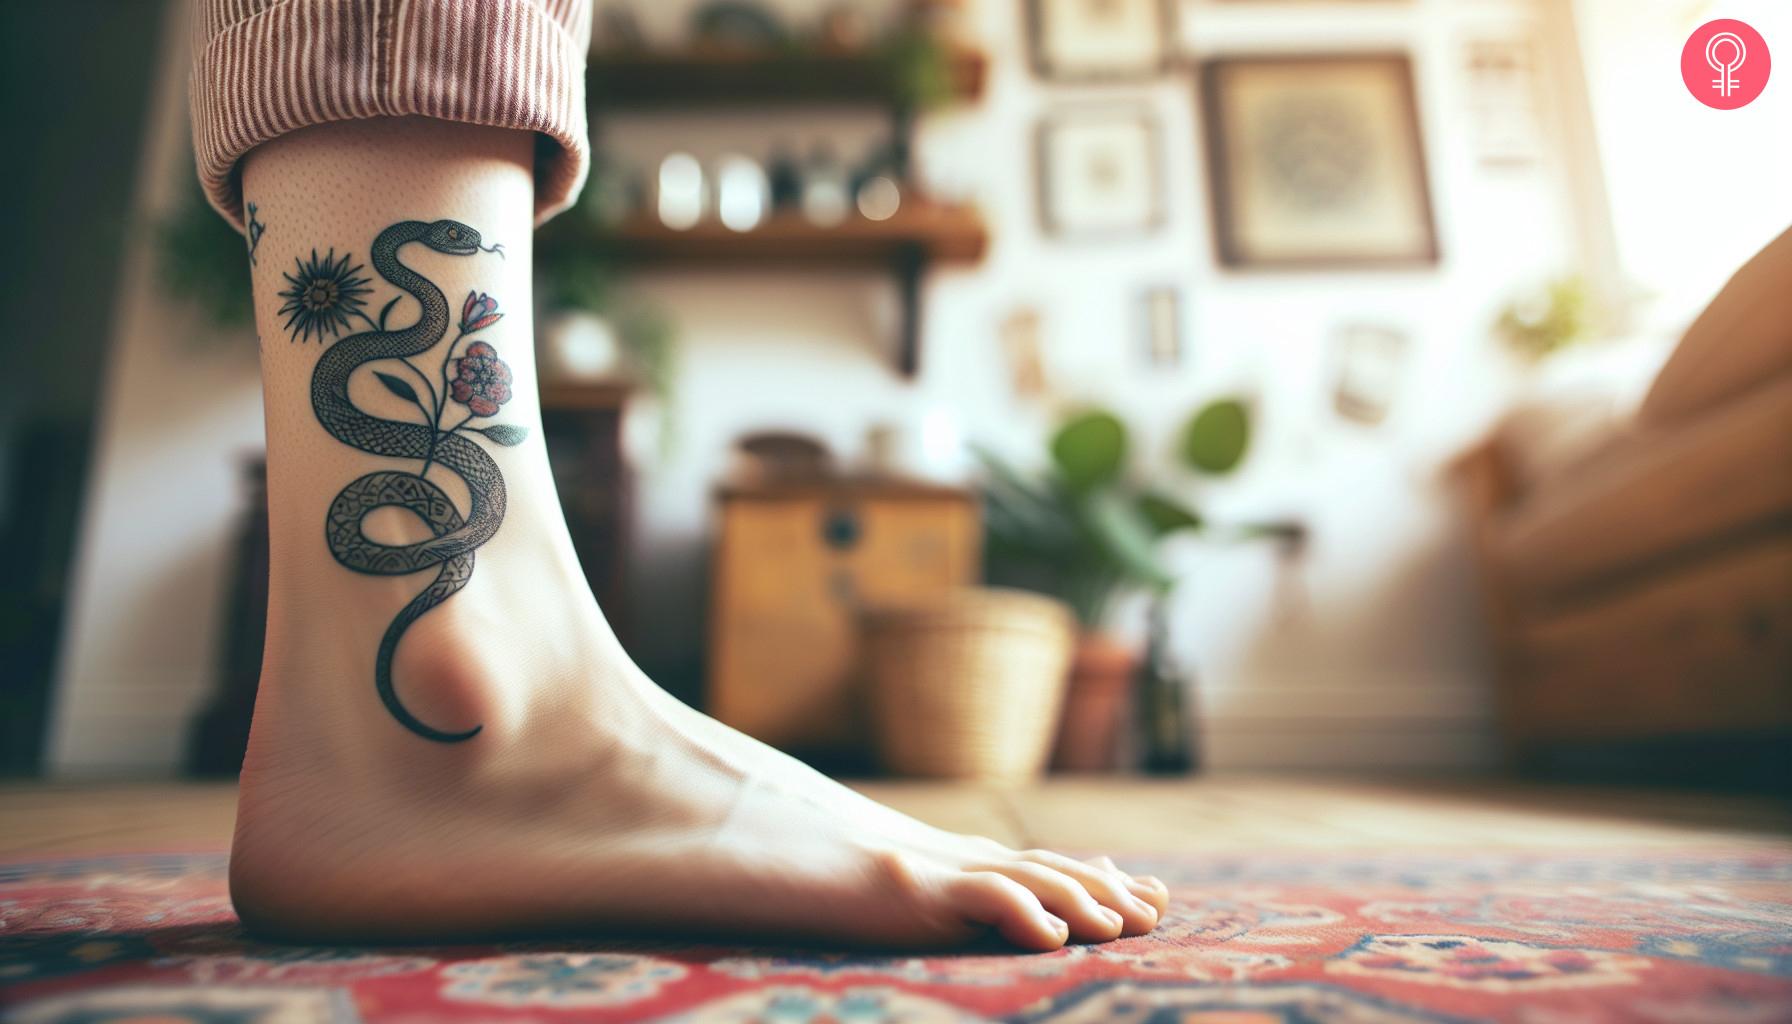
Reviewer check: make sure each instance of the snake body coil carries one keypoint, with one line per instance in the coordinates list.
(455, 538)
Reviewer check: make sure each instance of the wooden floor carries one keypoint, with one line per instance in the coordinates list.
(1216, 814)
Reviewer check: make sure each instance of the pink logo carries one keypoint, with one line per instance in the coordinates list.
(1725, 64)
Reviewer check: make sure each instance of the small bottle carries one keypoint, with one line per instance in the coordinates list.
(1164, 722)
(825, 198)
(784, 174)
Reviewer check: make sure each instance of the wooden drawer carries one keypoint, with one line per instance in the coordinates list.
(792, 568)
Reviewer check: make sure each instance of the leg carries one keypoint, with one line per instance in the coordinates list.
(587, 798)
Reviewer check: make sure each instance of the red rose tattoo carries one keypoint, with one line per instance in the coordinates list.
(481, 380)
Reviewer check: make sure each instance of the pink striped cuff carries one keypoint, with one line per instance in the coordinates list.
(262, 68)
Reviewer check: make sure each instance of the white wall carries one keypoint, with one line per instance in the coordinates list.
(1380, 664)
(1694, 191)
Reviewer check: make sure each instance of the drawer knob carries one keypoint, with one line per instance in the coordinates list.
(840, 528)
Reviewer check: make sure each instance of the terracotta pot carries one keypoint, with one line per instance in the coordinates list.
(1095, 703)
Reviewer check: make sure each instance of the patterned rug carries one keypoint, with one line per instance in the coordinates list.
(1352, 939)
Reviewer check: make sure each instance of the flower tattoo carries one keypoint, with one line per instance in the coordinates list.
(478, 312)
(476, 379)
(323, 296)
(482, 380)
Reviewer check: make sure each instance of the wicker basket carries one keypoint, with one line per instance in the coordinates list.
(967, 685)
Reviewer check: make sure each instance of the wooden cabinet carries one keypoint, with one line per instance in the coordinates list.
(794, 563)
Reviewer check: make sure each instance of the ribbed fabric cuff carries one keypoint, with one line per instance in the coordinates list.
(263, 69)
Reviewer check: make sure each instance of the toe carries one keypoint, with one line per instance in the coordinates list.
(1107, 887)
(1159, 896)
(1145, 887)
(1065, 898)
(999, 902)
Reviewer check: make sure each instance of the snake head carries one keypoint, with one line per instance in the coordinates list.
(452, 237)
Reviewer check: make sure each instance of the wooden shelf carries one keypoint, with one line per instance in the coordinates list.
(919, 235)
(570, 395)
(924, 231)
(733, 77)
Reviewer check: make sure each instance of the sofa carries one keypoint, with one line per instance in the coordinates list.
(1638, 591)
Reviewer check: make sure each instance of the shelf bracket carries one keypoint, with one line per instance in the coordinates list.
(902, 134)
(910, 262)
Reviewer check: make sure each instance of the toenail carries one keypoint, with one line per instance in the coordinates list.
(1112, 918)
(1142, 907)
(1059, 926)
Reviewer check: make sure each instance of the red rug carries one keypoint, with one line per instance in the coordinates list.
(1539, 940)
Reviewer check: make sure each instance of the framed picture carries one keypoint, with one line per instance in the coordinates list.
(1368, 363)
(1160, 327)
(1098, 172)
(1503, 110)
(1316, 161)
(1100, 40)
(1020, 331)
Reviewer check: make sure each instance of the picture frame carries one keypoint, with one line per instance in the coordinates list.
(1022, 333)
(1503, 103)
(1368, 365)
(1100, 40)
(1316, 161)
(1160, 327)
(1099, 172)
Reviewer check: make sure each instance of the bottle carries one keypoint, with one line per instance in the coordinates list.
(825, 199)
(784, 174)
(1164, 719)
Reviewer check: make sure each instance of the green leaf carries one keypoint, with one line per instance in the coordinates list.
(397, 386)
(1090, 449)
(200, 259)
(1125, 538)
(505, 434)
(1020, 514)
(388, 309)
(1167, 515)
(1008, 485)
(1216, 437)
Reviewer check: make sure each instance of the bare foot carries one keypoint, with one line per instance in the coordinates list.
(412, 510)
(593, 800)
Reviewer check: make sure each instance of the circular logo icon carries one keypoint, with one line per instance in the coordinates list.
(1725, 64)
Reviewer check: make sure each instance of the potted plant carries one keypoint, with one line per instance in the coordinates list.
(1546, 320)
(1086, 532)
(201, 260)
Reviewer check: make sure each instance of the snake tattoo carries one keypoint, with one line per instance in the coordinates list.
(326, 291)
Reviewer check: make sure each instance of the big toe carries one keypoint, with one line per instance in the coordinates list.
(1010, 908)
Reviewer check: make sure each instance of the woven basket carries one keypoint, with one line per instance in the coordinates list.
(967, 685)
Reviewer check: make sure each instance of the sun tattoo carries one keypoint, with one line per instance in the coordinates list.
(323, 296)
(474, 384)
